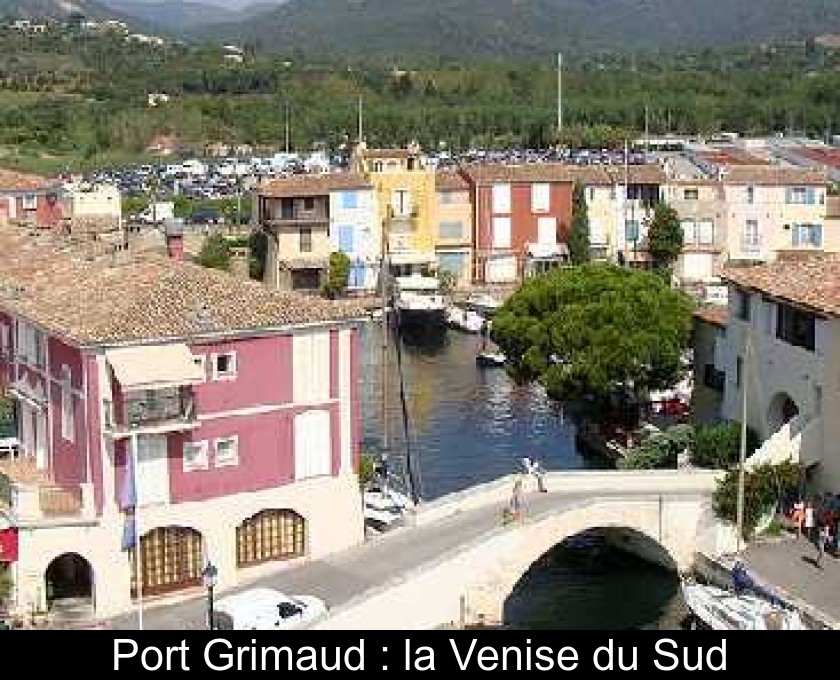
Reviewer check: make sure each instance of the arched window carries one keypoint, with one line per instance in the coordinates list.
(171, 558)
(270, 535)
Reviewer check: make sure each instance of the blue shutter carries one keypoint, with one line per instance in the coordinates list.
(816, 235)
(796, 235)
(349, 200)
(810, 197)
(357, 275)
(345, 238)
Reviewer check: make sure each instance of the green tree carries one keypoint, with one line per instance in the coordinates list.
(215, 253)
(665, 237)
(5, 583)
(367, 469)
(579, 232)
(718, 447)
(588, 331)
(661, 451)
(337, 275)
(258, 248)
(764, 488)
(448, 281)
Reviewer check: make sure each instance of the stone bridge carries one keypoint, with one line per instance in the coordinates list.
(662, 515)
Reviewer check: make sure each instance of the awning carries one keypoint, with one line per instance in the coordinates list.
(545, 251)
(411, 257)
(8, 545)
(154, 367)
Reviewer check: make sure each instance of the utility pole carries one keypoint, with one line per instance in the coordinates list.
(361, 121)
(288, 127)
(647, 132)
(743, 451)
(559, 93)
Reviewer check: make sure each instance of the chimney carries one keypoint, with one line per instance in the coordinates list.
(173, 231)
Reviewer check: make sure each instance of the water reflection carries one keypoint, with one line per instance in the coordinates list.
(468, 425)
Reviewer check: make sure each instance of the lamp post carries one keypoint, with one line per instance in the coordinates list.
(208, 577)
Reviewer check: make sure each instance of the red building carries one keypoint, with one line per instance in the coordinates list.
(30, 199)
(522, 215)
(216, 419)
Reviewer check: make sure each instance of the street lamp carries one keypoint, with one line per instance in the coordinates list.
(208, 577)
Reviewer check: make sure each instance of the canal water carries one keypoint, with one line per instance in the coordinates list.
(468, 425)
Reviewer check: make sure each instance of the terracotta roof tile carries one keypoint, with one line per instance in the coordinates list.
(812, 282)
(312, 185)
(772, 175)
(450, 180)
(19, 181)
(146, 297)
(716, 315)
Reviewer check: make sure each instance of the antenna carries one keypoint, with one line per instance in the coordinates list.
(559, 93)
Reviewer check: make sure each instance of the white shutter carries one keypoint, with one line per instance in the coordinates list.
(501, 232)
(501, 199)
(689, 232)
(320, 372)
(313, 451)
(547, 231)
(301, 368)
(540, 198)
(597, 233)
(705, 233)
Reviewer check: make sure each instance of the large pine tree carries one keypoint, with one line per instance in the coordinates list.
(579, 232)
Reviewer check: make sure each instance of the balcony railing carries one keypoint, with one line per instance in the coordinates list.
(150, 411)
(33, 496)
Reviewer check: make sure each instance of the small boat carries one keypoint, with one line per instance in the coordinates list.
(720, 609)
(465, 320)
(489, 359)
(484, 304)
(384, 507)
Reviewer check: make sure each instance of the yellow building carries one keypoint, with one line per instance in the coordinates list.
(405, 192)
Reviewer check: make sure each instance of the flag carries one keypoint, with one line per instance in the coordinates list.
(128, 491)
(129, 539)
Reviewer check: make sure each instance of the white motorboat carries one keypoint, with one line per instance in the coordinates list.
(484, 304)
(419, 305)
(489, 359)
(465, 319)
(720, 609)
(384, 507)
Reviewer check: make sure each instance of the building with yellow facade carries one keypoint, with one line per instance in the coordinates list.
(404, 187)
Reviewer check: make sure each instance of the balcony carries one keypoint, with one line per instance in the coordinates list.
(406, 223)
(156, 412)
(32, 497)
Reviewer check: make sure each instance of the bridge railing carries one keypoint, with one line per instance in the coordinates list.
(586, 483)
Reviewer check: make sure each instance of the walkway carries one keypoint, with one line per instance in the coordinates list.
(788, 564)
(348, 575)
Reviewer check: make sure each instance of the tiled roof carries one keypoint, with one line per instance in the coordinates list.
(561, 172)
(312, 185)
(637, 174)
(450, 180)
(388, 153)
(145, 297)
(812, 282)
(19, 181)
(772, 175)
(716, 315)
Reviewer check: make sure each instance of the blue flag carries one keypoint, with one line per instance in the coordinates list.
(128, 491)
(129, 539)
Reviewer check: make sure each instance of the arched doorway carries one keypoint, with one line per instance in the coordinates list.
(69, 577)
(171, 558)
(270, 535)
(782, 410)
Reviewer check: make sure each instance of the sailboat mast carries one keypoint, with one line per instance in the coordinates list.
(743, 451)
(383, 282)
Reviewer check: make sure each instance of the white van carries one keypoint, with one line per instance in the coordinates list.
(266, 609)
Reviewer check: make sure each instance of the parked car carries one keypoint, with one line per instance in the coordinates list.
(206, 216)
(266, 609)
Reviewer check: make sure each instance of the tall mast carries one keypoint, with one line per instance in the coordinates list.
(383, 282)
(559, 93)
(361, 128)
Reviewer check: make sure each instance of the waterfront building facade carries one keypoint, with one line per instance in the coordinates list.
(205, 418)
(30, 199)
(781, 345)
(522, 215)
(454, 235)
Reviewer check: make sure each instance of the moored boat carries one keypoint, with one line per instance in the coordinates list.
(720, 609)
(420, 308)
(488, 359)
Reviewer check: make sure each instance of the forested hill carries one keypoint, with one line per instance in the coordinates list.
(54, 9)
(464, 29)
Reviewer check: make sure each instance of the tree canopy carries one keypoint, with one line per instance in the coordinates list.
(587, 331)
(215, 253)
(665, 237)
(337, 275)
(579, 232)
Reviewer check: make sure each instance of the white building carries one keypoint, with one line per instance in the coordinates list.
(97, 206)
(354, 230)
(782, 341)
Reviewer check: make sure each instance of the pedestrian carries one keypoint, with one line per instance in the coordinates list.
(516, 498)
(539, 473)
(810, 526)
(823, 540)
(799, 516)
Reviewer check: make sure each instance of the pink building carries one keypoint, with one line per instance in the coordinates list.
(30, 199)
(239, 405)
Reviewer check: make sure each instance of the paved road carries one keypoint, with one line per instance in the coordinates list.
(788, 563)
(347, 575)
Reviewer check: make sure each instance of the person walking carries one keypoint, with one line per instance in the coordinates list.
(539, 473)
(515, 508)
(823, 541)
(810, 525)
(799, 516)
